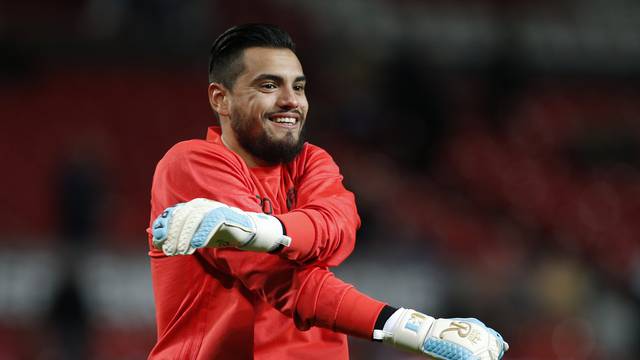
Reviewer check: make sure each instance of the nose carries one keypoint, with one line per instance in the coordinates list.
(288, 99)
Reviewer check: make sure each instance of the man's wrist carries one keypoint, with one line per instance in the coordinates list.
(384, 316)
(269, 233)
(279, 248)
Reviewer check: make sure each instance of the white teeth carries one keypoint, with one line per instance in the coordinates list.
(284, 120)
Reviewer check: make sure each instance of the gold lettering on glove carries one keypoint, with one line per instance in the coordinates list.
(464, 330)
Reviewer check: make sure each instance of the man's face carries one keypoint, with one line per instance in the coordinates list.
(268, 105)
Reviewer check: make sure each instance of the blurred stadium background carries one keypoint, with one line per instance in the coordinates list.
(493, 146)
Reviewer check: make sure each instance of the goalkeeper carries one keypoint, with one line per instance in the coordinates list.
(262, 215)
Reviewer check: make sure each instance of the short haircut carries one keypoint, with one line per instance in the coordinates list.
(225, 62)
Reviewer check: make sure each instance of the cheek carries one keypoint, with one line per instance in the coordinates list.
(303, 104)
(259, 105)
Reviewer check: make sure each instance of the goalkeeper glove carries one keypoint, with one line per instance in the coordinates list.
(448, 339)
(185, 227)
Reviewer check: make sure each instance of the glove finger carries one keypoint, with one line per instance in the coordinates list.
(159, 231)
(503, 345)
(193, 219)
(159, 227)
(176, 221)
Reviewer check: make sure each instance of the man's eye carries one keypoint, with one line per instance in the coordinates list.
(298, 87)
(268, 86)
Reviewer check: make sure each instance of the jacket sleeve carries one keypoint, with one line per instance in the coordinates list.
(324, 222)
(311, 295)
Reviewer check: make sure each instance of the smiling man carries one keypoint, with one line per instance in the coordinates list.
(268, 106)
(260, 216)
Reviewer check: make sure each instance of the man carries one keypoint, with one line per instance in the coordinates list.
(261, 215)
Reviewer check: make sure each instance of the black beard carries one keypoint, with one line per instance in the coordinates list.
(264, 148)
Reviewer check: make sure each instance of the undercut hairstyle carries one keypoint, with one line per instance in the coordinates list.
(226, 60)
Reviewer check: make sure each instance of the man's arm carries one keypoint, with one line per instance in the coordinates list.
(322, 224)
(325, 219)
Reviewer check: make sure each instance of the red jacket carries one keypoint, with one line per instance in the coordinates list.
(233, 304)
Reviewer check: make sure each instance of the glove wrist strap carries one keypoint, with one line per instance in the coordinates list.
(269, 233)
(408, 329)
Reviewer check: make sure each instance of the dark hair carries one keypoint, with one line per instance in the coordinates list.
(225, 62)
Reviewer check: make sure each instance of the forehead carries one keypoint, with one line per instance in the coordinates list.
(281, 62)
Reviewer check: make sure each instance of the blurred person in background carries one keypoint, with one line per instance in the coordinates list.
(81, 199)
(255, 185)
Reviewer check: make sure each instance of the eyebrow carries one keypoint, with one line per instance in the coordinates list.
(277, 78)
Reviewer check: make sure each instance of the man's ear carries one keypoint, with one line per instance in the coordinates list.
(218, 99)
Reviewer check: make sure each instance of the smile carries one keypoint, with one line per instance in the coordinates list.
(284, 121)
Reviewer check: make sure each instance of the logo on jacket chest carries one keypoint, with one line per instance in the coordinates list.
(291, 198)
(267, 206)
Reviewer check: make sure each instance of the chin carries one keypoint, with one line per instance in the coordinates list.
(289, 137)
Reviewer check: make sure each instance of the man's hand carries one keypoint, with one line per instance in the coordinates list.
(449, 339)
(185, 227)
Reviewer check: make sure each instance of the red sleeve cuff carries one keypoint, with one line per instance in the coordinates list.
(330, 303)
(300, 228)
(357, 314)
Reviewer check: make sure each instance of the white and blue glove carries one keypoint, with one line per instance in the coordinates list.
(199, 223)
(448, 339)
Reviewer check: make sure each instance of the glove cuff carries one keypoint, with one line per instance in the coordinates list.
(269, 234)
(407, 329)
